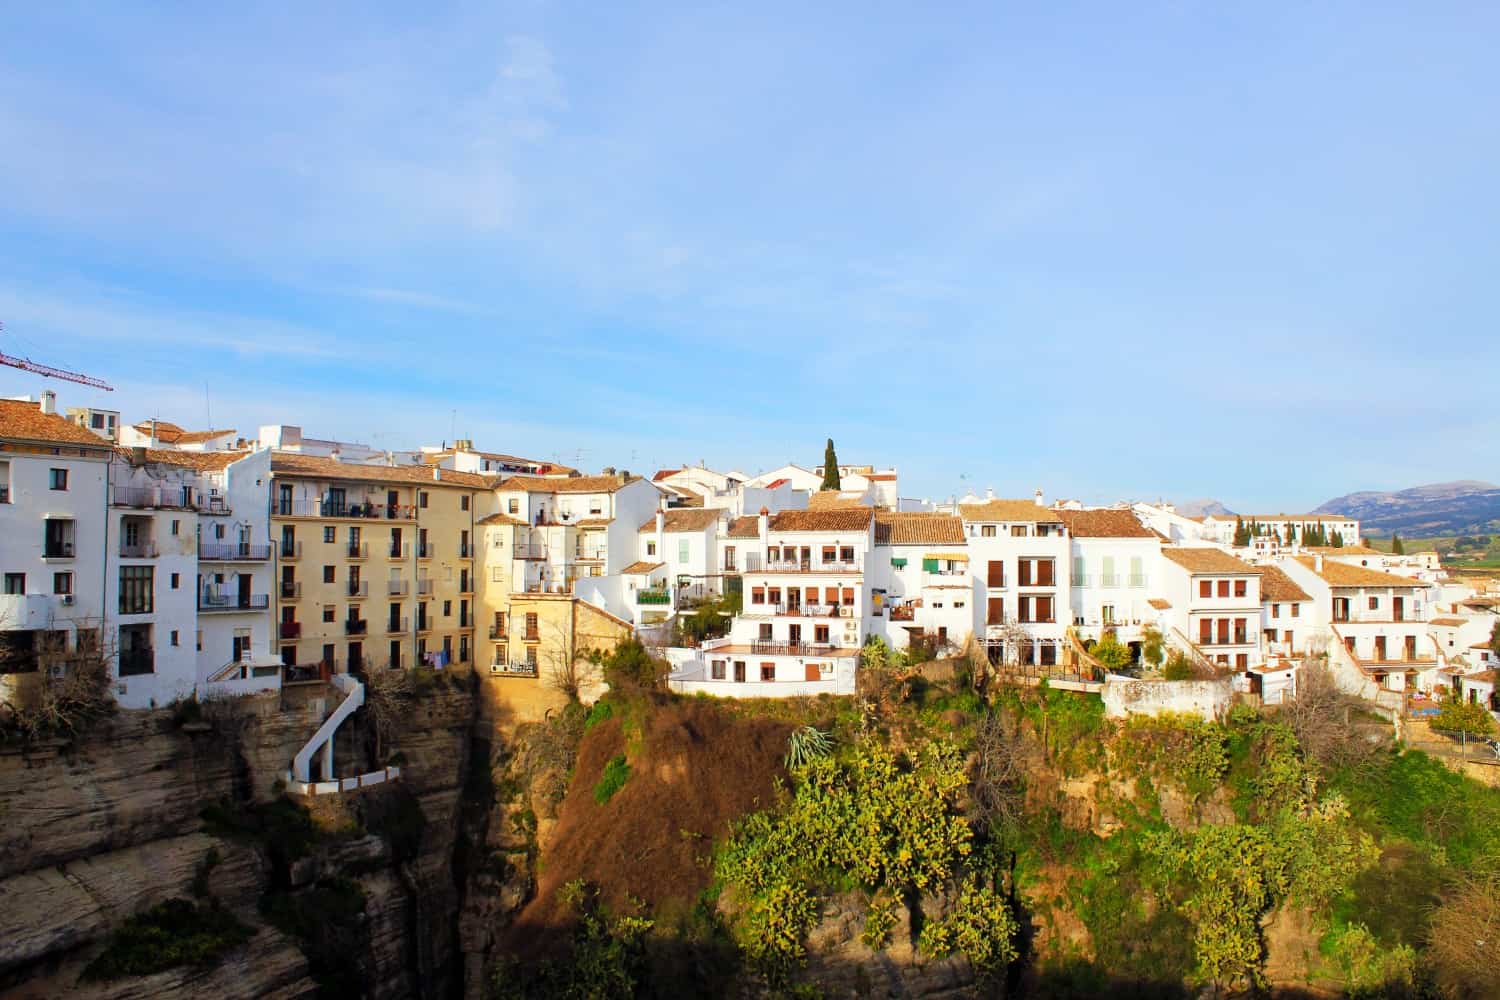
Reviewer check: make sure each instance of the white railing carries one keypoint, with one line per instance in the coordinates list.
(323, 738)
(341, 784)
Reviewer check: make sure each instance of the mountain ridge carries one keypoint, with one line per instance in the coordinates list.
(1459, 507)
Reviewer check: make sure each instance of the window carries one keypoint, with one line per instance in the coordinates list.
(898, 563)
(1205, 588)
(96, 421)
(996, 575)
(422, 499)
(1205, 631)
(447, 609)
(329, 534)
(176, 580)
(1223, 588)
(846, 553)
(1240, 588)
(1241, 661)
(1296, 609)
(718, 670)
(987, 531)
(328, 572)
(995, 612)
(1036, 572)
(1036, 609)
(757, 595)
(328, 612)
(136, 590)
(1137, 573)
(1275, 611)
(773, 595)
(57, 479)
(1080, 579)
(15, 583)
(1107, 613)
(768, 671)
(820, 634)
(650, 548)
(172, 638)
(513, 506)
(531, 625)
(682, 550)
(848, 597)
(176, 526)
(1374, 603)
(1018, 531)
(463, 502)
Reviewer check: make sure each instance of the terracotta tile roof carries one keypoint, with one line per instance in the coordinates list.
(664, 474)
(1343, 550)
(776, 482)
(839, 519)
(203, 461)
(197, 437)
(685, 519)
(1337, 574)
(1104, 524)
(834, 500)
(1277, 587)
(165, 429)
(918, 528)
(1207, 560)
(641, 568)
(1444, 622)
(566, 484)
(314, 466)
(22, 421)
(744, 527)
(499, 518)
(1009, 510)
(594, 522)
(1159, 604)
(881, 477)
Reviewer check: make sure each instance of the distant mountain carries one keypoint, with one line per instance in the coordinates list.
(1461, 508)
(1202, 508)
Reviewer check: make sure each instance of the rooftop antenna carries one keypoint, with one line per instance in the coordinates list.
(208, 409)
(47, 371)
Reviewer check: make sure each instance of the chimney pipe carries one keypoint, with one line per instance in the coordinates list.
(49, 402)
(1039, 502)
(763, 525)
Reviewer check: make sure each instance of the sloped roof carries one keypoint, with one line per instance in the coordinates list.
(1104, 524)
(840, 519)
(834, 500)
(499, 518)
(744, 527)
(567, 484)
(1160, 604)
(1207, 560)
(1009, 510)
(641, 568)
(23, 421)
(1343, 550)
(918, 528)
(290, 464)
(1277, 587)
(1445, 622)
(664, 474)
(202, 461)
(681, 519)
(1337, 574)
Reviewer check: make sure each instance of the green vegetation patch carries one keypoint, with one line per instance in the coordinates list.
(612, 780)
(176, 932)
(602, 710)
(285, 828)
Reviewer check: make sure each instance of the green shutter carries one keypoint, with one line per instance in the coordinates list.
(898, 563)
(929, 565)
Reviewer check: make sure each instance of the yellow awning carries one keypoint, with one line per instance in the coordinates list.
(955, 556)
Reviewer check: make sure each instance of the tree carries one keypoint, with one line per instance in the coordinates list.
(1112, 653)
(1495, 639)
(831, 480)
(1459, 716)
(1462, 936)
(72, 687)
(1336, 540)
(1241, 534)
(1323, 720)
(1153, 645)
(1396, 547)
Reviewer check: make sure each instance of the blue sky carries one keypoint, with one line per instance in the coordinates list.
(1107, 250)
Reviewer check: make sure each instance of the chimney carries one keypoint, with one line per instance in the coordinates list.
(623, 476)
(1318, 561)
(609, 470)
(138, 456)
(763, 526)
(1039, 502)
(437, 474)
(49, 402)
(989, 493)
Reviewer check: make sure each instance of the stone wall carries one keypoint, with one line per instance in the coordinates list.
(1125, 696)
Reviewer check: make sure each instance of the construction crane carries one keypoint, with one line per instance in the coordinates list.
(47, 371)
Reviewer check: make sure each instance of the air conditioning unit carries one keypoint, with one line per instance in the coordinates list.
(67, 600)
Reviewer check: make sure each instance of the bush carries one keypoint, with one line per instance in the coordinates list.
(1178, 668)
(170, 934)
(612, 780)
(602, 710)
(1459, 716)
(630, 666)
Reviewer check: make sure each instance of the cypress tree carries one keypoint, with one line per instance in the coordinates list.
(831, 480)
(1241, 536)
(1396, 547)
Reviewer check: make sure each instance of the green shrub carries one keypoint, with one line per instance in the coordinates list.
(285, 828)
(1178, 668)
(602, 710)
(880, 920)
(612, 780)
(169, 934)
(806, 744)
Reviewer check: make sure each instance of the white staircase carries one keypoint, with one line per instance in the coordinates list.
(323, 738)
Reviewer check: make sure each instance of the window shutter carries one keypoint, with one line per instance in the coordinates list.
(929, 565)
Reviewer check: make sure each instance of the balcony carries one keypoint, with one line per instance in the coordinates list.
(358, 589)
(904, 613)
(465, 550)
(424, 550)
(356, 626)
(357, 550)
(57, 550)
(291, 630)
(794, 649)
(652, 597)
(514, 669)
(140, 660)
(395, 626)
(531, 635)
(424, 587)
(140, 550)
(395, 588)
(466, 587)
(290, 590)
(233, 602)
(344, 509)
(529, 552)
(290, 550)
(398, 550)
(809, 566)
(424, 624)
(498, 632)
(232, 551)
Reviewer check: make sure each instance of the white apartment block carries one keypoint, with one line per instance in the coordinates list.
(922, 587)
(464, 457)
(1114, 565)
(1212, 605)
(53, 481)
(1021, 553)
(1287, 617)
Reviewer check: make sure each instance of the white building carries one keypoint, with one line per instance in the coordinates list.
(159, 434)
(1287, 617)
(1020, 556)
(921, 585)
(53, 479)
(1213, 605)
(1114, 557)
(464, 457)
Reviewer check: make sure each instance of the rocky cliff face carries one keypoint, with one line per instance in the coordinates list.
(108, 825)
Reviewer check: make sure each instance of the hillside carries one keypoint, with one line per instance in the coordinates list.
(1463, 507)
